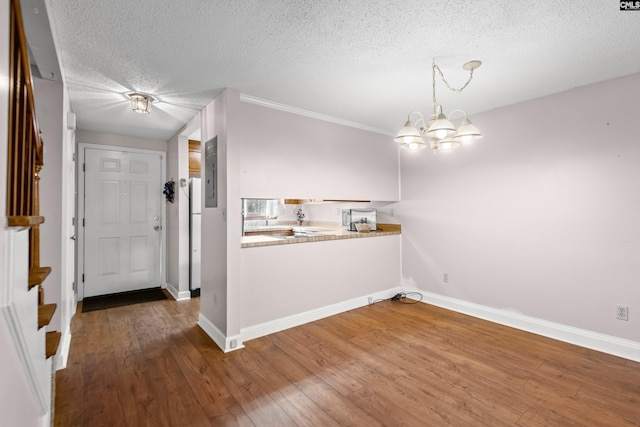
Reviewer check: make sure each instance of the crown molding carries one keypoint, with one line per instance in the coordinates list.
(311, 114)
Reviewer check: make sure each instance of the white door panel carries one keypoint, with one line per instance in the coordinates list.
(123, 202)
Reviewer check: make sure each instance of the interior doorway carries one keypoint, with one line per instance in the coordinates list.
(121, 219)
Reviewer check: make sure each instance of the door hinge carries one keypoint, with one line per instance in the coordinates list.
(83, 278)
(83, 222)
(83, 167)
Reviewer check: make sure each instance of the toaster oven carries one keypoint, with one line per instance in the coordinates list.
(352, 216)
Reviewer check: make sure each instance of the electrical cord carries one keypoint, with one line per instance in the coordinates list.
(401, 297)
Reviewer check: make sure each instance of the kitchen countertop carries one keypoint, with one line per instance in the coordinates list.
(315, 234)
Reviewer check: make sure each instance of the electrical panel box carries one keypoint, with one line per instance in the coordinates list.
(211, 173)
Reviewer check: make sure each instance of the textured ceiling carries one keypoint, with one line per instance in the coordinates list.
(367, 62)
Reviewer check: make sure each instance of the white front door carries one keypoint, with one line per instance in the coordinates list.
(122, 221)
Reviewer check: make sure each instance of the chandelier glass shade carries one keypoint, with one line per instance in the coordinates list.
(440, 130)
(410, 137)
(440, 127)
(467, 132)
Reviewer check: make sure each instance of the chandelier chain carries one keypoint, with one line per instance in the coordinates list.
(433, 82)
(447, 83)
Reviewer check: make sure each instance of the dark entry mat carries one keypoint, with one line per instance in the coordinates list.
(123, 298)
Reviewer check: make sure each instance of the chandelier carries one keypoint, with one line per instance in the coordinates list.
(140, 103)
(440, 131)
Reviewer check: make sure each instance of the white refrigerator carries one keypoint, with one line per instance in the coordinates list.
(195, 224)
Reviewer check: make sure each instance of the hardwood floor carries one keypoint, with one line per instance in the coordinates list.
(389, 364)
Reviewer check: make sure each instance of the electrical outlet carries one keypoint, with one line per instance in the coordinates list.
(622, 312)
(445, 277)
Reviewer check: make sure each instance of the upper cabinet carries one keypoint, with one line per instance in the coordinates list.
(195, 158)
(284, 154)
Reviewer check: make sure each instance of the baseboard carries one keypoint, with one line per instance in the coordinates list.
(225, 343)
(283, 323)
(60, 359)
(584, 338)
(177, 295)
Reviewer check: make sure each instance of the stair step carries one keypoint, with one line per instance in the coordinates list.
(24, 220)
(45, 313)
(52, 343)
(38, 275)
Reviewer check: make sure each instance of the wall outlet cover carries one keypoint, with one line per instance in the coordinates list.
(622, 312)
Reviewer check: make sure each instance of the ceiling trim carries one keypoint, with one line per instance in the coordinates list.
(312, 114)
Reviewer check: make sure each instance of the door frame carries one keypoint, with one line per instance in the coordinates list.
(80, 203)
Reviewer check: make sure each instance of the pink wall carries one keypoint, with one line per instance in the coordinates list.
(17, 404)
(213, 293)
(286, 280)
(265, 152)
(57, 205)
(287, 155)
(539, 217)
(48, 98)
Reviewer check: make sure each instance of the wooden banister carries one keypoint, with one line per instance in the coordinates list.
(25, 147)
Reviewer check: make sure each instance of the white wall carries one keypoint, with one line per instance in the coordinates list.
(541, 216)
(4, 119)
(172, 216)
(17, 404)
(68, 296)
(177, 213)
(88, 137)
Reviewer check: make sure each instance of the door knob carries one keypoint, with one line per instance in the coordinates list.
(157, 227)
(74, 237)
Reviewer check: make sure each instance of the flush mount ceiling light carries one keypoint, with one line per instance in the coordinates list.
(140, 103)
(439, 130)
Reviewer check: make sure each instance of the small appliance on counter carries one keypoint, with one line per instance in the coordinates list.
(352, 216)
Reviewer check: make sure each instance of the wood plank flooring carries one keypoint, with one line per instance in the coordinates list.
(389, 364)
